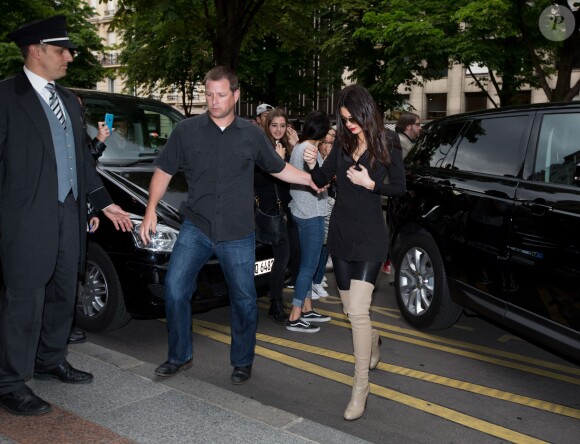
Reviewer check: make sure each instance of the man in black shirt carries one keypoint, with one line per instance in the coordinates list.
(217, 152)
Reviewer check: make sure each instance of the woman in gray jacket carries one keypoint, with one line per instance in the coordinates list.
(308, 211)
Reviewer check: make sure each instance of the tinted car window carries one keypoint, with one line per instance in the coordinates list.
(433, 148)
(491, 146)
(141, 129)
(558, 153)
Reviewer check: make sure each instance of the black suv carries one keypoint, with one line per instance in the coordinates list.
(491, 222)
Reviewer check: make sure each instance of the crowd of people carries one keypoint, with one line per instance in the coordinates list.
(326, 180)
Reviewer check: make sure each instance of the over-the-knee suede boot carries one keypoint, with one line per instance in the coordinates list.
(359, 314)
(375, 350)
(344, 297)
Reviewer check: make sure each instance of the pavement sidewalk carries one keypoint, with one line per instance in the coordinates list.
(127, 404)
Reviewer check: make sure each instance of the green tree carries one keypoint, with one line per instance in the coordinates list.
(86, 70)
(356, 53)
(163, 49)
(419, 37)
(229, 27)
(170, 44)
(286, 64)
(551, 58)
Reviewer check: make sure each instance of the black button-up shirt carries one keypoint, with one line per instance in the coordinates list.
(219, 170)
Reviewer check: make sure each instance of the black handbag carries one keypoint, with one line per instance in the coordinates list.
(271, 226)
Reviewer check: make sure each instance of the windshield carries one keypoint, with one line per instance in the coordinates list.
(141, 127)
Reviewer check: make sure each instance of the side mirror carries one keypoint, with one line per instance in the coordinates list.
(577, 175)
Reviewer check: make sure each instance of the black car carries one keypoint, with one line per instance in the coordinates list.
(124, 278)
(491, 222)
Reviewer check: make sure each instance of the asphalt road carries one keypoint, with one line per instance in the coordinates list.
(473, 383)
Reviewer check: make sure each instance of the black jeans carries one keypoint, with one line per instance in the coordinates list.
(278, 272)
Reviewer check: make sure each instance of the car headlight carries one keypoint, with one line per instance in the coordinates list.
(162, 241)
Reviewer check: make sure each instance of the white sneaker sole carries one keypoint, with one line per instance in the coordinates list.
(326, 319)
(303, 330)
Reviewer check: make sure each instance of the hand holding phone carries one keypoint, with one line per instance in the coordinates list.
(109, 121)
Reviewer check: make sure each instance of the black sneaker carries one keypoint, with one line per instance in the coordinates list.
(314, 316)
(301, 325)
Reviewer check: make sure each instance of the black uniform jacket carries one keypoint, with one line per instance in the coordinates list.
(357, 229)
(28, 184)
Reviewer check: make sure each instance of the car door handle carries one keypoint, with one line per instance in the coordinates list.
(537, 206)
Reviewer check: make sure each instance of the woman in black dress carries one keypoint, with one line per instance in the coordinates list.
(368, 161)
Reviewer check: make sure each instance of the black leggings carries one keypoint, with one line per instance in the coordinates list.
(344, 271)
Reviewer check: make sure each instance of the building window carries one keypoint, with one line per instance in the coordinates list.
(109, 59)
(111, 85)
(173, 95)
(475, 101)
(522, 98)
(476, 69)
(110, 8)
(436, 105)
(111, 38)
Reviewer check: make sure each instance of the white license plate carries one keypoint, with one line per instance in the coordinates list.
(263, 267)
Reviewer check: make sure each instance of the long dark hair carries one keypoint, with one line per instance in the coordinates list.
(272, 114)
(365, 112)
(316, 126)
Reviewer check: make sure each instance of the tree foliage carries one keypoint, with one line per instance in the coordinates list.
(418, 37)
(164, 48)
(171, 44)
(286, 64)
(85, 71)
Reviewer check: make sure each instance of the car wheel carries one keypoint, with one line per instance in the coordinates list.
(100, 303)
(421, 284)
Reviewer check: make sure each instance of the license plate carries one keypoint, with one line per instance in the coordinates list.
(263, 267)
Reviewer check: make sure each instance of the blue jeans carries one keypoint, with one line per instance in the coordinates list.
(319, 275)
(192, 250)
(311, 234)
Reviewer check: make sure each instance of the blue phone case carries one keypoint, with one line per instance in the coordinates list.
(109, 121)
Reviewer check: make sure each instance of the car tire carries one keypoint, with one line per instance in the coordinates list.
(421, 284)
(100, 303)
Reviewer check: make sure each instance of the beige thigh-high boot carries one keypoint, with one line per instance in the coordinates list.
(375, 350)
(359, 314)
(344, 297)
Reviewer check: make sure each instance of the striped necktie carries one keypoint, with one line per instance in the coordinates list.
(55, 104)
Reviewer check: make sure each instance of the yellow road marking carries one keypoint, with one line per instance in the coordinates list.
(417, 403)
(416, 374)
(476, 356)
(467, 346)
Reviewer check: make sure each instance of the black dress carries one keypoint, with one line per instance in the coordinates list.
(357, 230)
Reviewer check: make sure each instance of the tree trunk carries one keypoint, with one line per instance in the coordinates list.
(566, 56)
(233, 19)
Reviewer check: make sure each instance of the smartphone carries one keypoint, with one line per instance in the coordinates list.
(109, 121)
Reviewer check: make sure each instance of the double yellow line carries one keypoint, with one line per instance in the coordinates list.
(221, 333)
